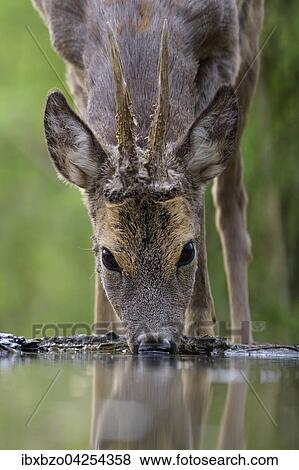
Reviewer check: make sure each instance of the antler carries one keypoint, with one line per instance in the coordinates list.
(124, 116)
(159, 126)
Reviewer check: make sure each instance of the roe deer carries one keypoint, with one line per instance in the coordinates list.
(163, 88)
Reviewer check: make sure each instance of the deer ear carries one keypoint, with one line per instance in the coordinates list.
(212, 138)
(74, 150)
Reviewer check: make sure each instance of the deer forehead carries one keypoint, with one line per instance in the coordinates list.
(134, 229)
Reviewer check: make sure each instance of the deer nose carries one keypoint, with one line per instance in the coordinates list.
(148, 345)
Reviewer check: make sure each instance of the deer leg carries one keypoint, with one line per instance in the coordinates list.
(229, 192)
(230, 201)
(200, 316)
(104, 315)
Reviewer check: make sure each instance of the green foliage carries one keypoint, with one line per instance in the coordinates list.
(46, 266)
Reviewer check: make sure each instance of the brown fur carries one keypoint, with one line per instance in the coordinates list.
(123, 231)
(145, 12)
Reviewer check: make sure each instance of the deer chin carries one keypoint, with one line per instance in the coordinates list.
(161, 340)
(150, 342)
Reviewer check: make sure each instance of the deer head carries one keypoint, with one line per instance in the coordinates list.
(144, 203)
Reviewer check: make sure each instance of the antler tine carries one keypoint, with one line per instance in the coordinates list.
(159, 126)
(124, 116)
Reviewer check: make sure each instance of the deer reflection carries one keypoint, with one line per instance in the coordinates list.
(147, 403)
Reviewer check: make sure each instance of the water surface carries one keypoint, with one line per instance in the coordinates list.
(124, 402)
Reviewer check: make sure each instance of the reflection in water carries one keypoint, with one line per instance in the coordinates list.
(152, 402)
(139, 402)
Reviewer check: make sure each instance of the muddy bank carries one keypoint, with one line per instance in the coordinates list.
(114, 344)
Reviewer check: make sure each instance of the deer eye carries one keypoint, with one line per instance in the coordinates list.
(109, 261)
(187, 255)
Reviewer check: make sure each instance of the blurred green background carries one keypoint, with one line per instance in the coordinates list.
(46, 266)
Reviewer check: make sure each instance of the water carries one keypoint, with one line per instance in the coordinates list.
(146, 403)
